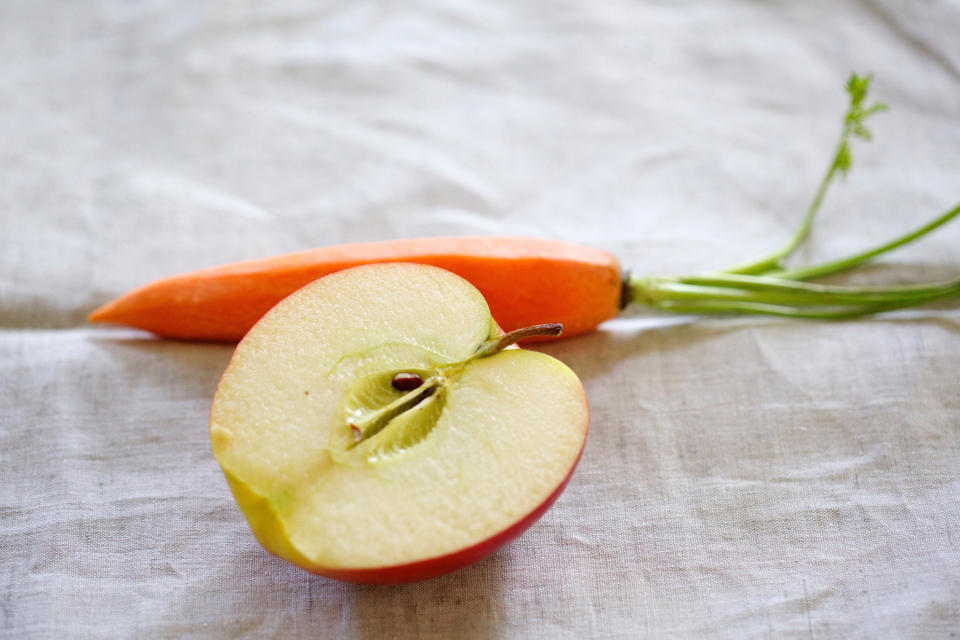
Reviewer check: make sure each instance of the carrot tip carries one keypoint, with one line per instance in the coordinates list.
(102, 313)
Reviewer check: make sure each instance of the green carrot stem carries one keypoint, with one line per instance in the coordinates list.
(853, 126)
(751, 308)
(803, 297)
(769, 291)
(849, 262)
(772, 260)
(771, 283)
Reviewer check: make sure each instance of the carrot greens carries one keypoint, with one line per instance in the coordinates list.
(765, 286)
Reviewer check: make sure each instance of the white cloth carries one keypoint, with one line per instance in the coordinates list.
(743, 477)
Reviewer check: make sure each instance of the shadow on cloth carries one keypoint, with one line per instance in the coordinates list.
(616, 341)
(171, 364)
(262, 595)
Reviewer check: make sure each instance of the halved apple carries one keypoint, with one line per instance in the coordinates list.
(372, 427)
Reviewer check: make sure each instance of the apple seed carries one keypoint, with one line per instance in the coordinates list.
(406, 381)
(357, 434)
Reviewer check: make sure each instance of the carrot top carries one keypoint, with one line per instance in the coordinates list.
(529, 281)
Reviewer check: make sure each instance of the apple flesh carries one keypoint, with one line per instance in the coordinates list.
(372, 428)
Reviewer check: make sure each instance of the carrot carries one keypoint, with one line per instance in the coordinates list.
(530, 281)
(523, 280)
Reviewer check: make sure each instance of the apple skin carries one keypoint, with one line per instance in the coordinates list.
(422, 569)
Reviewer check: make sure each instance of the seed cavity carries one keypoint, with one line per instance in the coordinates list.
(386, 413)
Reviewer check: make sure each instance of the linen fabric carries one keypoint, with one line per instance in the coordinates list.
(743, 477)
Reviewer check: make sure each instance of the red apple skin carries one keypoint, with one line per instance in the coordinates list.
(440, 565)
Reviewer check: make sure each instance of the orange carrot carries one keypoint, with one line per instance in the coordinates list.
(524, 280)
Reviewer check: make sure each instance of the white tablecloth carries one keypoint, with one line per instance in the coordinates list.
(743, 477)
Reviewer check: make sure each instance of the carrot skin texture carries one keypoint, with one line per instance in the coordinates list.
(526, 281)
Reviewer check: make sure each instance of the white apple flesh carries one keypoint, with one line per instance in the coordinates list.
(345, 475)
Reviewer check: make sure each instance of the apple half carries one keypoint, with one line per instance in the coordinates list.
(373, 428)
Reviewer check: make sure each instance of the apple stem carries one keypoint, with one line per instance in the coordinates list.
(501, 342)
